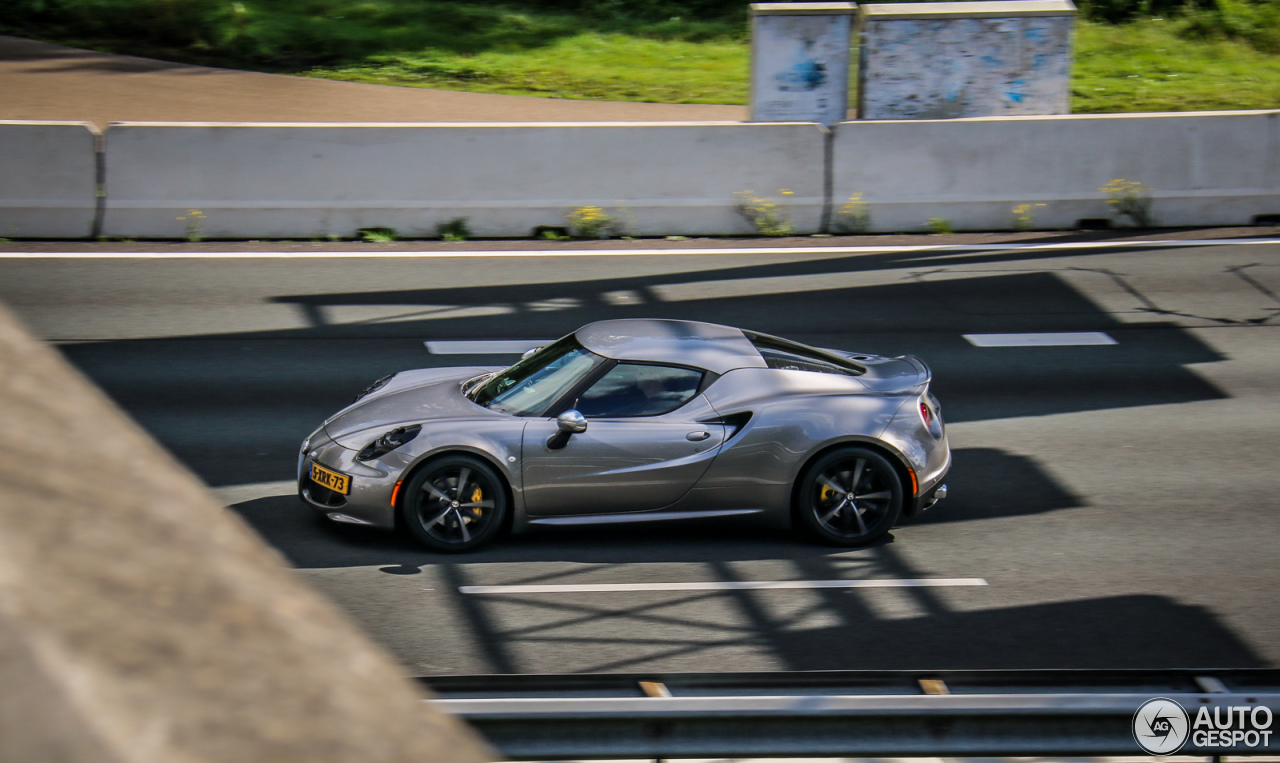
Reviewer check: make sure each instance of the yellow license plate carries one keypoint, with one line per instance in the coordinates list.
(338, 483)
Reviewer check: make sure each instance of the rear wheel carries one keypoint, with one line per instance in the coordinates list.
(850, 497)
(455, 504)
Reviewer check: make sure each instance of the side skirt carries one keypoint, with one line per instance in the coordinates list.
(649, 516)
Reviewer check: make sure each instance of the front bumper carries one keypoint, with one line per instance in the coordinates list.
(369, 500)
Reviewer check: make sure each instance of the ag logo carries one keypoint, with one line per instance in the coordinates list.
(1160, 726)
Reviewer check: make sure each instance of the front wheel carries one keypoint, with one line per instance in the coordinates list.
(850, 497)
(455, 504)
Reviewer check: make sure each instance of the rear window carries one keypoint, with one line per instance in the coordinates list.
(793, 356)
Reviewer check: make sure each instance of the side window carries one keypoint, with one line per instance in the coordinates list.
(632, 389)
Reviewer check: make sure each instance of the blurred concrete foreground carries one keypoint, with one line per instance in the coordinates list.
(141, 621)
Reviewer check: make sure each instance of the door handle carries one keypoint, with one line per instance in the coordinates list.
(697, 436)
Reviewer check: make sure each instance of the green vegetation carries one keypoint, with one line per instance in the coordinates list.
(454, 230)
(1132, 199)
(294, 35)
(378, 235)
(854, 216)
(194, 220)
(1151, 65)
(939, 225)
(1132, 55)
(614, 67)
(591, 222)
(768, 216)
(1024, 216)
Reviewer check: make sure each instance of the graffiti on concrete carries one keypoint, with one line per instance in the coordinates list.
(806, 74)
(800, 65)
(939, 68)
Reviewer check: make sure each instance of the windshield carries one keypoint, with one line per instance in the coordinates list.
(530, 387)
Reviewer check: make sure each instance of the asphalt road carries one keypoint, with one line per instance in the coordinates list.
(1119, 500)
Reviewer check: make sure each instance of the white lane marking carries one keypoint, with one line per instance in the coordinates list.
(726, 585)
(483, 346)
(233, 494)
(1058, 339)
(940, 248)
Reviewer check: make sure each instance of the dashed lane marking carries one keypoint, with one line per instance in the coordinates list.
(483, 346)
(1052, 339)
(725, 585)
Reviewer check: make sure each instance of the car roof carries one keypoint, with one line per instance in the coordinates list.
(705, 345)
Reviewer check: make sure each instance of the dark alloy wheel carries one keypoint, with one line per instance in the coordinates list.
(455, 504)
(850, 497)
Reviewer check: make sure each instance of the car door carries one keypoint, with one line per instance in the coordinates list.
(644, 446)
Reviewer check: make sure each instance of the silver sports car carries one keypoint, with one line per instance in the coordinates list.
(635, 421)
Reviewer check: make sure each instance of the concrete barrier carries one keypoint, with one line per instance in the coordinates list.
(313, 181)
(48, 179)
(292, 181)
(142, 621)
(1202, 168)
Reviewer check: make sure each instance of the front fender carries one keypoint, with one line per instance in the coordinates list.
(497, 442)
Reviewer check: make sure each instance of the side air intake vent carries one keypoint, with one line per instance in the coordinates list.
(733, 423)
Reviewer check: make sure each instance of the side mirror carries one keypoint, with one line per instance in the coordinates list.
(568, 424)
(527, 353)
(571, 422)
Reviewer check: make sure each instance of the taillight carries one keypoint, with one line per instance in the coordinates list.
(929, 415)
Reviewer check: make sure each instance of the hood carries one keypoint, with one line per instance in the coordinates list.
(410, 397)
(890, 374)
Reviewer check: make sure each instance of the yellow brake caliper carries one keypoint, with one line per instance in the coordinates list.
(825, 494)
(477, 497)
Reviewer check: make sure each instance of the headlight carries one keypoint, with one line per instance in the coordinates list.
(379, 384)
(388, 442)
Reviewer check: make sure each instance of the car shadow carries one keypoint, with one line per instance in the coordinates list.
(986, 484)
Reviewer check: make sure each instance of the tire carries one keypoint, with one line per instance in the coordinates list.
(454, 504)
(850, 497)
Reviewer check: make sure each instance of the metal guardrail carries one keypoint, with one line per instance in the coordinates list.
(839, 713)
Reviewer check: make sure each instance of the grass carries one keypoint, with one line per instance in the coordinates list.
(378, 235)
(1146, 66)
(1140, 66)
(591, 65)
(294, 35)
(624, 50)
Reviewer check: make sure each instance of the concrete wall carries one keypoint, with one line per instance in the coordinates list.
(140, 620)
(1202, 168)
(311, 181)
(293, 181)
(48, 179)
